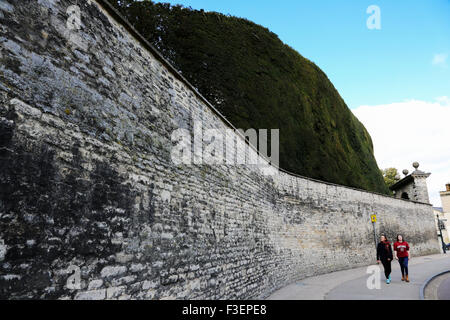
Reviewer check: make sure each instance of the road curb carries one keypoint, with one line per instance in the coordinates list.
(424, 285)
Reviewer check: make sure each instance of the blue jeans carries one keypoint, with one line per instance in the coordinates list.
(403, 265)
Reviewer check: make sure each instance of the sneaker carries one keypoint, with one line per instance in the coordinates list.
(388, 281)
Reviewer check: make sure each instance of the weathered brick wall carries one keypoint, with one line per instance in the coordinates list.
(86, 180)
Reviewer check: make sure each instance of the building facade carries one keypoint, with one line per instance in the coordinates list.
(443, 214)
(445, 198)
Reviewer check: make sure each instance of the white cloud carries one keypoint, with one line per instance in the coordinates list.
(443, 100)
(440, 59)
(412, 131)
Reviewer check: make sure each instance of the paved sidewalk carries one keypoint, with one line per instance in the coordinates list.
(351, 284)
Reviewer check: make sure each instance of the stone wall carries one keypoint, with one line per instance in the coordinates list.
(92, 207)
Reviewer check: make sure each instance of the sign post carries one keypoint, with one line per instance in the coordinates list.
(373, 218)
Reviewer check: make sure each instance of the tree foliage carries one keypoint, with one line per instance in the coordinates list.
(389, 175)
(257, 81)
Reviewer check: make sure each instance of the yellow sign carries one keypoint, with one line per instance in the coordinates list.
(373, 218)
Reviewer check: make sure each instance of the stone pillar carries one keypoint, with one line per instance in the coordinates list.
(421, 188)
(420, 184)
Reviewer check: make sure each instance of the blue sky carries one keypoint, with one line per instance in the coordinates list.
(368, 67)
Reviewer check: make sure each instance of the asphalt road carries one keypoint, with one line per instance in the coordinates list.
(444, 290)
(438, 288)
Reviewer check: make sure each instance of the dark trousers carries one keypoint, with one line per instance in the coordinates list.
(387, 267)
(403, 265)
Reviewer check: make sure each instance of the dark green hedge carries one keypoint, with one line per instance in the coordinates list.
(257, 81)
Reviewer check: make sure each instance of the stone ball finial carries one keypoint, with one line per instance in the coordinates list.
(405, 172)
(397, 177)
(416, 165)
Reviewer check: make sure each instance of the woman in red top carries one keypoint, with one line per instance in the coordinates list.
(401, 249)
